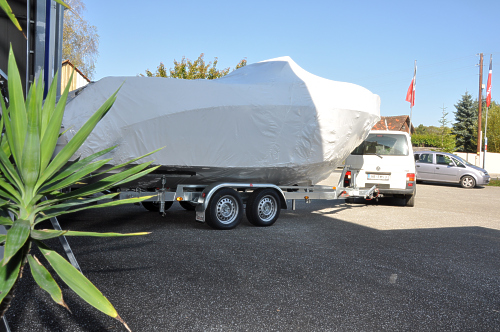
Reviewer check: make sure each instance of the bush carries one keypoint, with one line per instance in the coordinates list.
(425, 140)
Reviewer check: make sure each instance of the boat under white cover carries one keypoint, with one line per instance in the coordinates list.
(268, 122)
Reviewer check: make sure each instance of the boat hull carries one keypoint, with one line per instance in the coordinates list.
(270, 122)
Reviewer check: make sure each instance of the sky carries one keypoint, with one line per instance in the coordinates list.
(370, 43)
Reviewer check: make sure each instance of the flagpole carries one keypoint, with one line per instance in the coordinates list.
(413, 95)
(479, 131)
(411, 111)
(488, 100)
(485, 138)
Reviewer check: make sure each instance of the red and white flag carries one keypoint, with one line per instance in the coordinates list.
(488, 87)
(410, 94)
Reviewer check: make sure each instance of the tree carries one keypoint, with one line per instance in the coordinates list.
(427, 130)
(192, 70)
(447, 140)
(493, 132)
(29, 173)
(465, 127)
(435, 137)
(80, 39)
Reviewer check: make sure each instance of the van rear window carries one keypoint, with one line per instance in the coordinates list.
(383, 144)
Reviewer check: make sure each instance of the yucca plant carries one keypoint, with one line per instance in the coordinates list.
(31, 183)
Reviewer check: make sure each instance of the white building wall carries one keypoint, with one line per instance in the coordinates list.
(492, 161)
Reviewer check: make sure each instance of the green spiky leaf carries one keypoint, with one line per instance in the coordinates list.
(18, 124)
(92, 234)
(70, 168)
(9, 273)
(5, 221)
(16, 238)
(10, 14)
(63, 206)
(107, 204)
(77, 282)
(45, 234)
(45, 280)
(74, 144)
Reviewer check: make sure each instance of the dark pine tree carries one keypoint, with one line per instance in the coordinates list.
(465, 126)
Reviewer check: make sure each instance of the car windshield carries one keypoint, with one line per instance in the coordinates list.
(463, 161)
(383, 144)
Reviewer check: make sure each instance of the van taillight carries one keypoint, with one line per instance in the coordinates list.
(410, 177)
(347, 179)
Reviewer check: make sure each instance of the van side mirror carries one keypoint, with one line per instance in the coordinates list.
(451, 164)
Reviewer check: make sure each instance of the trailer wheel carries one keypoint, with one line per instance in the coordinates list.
(155, 206)
(187, 206)
(263, 207)
(225, 209)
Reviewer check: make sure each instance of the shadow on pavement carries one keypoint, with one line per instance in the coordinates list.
(308, 272)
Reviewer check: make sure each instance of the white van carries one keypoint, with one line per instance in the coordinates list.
(385, 159)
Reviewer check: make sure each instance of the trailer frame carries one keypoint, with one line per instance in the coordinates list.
(238, 196)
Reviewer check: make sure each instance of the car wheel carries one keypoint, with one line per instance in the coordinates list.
(155, 206)
(467, 182)
(263, 207)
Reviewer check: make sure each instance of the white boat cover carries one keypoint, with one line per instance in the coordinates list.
(270, 122)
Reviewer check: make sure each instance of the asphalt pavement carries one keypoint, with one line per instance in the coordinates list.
(323, 267)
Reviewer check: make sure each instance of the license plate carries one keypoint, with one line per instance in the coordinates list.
(378, 177)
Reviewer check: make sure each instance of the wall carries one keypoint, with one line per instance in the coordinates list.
(492, 160)
(78, 81)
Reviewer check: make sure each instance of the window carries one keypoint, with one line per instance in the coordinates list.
(443, 160)
(425, 158)
(383, 144)
(458, 163)
(462, 161)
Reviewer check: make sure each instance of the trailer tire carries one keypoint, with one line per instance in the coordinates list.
(187, 206)
(225, 209)
(155, 206)
(263, 207)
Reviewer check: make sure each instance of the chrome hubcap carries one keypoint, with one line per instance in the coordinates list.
(267, 208)
(227, 210)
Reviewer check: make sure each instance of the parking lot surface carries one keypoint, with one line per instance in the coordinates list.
(323, 267)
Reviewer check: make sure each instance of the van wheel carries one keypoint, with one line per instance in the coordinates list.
(225, 209)
(155, 206)
(263, 207)
(410, 200)
(467, 182)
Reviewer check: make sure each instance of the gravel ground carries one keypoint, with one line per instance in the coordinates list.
(323, 267)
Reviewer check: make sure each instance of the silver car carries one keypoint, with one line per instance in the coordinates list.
(446, 167)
